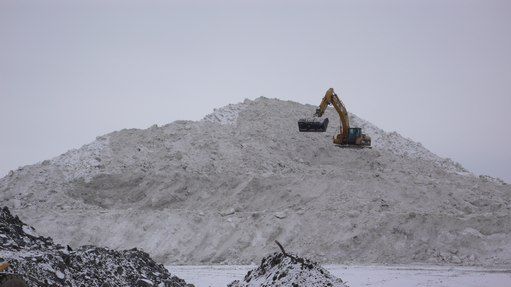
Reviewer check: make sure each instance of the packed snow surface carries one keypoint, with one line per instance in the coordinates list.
(222, 189)
(364, 275)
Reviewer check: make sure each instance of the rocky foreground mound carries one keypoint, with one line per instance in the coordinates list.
(279, 270)
(40, 262)
(222, 189)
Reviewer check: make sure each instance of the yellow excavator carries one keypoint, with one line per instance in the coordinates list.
(348, 137)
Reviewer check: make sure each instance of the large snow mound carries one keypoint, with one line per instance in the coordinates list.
(220, 190)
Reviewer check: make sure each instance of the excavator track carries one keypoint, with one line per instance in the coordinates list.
(353, 146)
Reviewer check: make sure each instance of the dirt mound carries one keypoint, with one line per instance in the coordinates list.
(279, 270)
(222, 189)
(40, 262)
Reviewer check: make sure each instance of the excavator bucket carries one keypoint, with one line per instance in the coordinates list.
(311, 125)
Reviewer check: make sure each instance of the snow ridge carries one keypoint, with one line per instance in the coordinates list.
(226, 115)
(83, 163)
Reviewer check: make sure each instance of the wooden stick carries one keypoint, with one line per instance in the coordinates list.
(281, 248)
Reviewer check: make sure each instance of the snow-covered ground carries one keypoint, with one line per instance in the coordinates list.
(355, 276)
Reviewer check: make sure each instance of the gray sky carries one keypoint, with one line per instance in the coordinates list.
(438, 72)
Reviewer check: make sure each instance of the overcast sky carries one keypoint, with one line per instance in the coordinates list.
(438, 72)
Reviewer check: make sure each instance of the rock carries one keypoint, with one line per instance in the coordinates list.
(280, 214)
(144, 283)
(60, 275)
(228, 211)
(29, 230)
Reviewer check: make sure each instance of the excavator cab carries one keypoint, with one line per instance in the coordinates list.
(357, 138)
(312, 125)
(353, 135)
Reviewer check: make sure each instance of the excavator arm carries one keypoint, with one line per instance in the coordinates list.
(332, 98)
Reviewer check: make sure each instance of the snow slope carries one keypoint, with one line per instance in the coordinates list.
(220, 190)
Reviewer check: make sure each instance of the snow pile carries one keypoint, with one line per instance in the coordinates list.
(40, 262)
(226, 115)
(203, 192)
(279, 270)
(395, 143)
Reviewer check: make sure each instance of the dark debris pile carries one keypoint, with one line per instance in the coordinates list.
(281, 270)
(41, 262)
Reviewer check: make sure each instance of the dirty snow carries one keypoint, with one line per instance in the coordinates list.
(40, 262)
(281, 270)
(220, 190)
